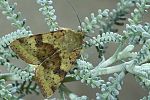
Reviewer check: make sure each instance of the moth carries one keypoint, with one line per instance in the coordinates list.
(54, 53)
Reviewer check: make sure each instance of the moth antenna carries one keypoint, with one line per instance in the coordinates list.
(79, 19)
(76, 13)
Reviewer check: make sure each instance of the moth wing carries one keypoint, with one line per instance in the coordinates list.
(53, 70)
(34, 49)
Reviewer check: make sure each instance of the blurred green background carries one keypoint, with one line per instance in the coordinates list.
(67, 18)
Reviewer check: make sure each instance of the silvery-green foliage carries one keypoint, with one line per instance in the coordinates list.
(7, 39)
(110, 90)
(5, 93)
(105, 20)
(15, 73)
(49, 12)
(24, 87)
(14, 17)
(137, 34)
(82, 73)
(100, 24)
(75, 97)
(103, 39)
(22, 31)
(146, 98)
(9, 11)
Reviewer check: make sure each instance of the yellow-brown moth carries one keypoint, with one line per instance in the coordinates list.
(54, 53)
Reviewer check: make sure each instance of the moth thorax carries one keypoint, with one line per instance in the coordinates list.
(73, 40)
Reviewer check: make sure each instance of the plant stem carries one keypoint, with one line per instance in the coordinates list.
(9, 77)
(106, 63)
(69, 79)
